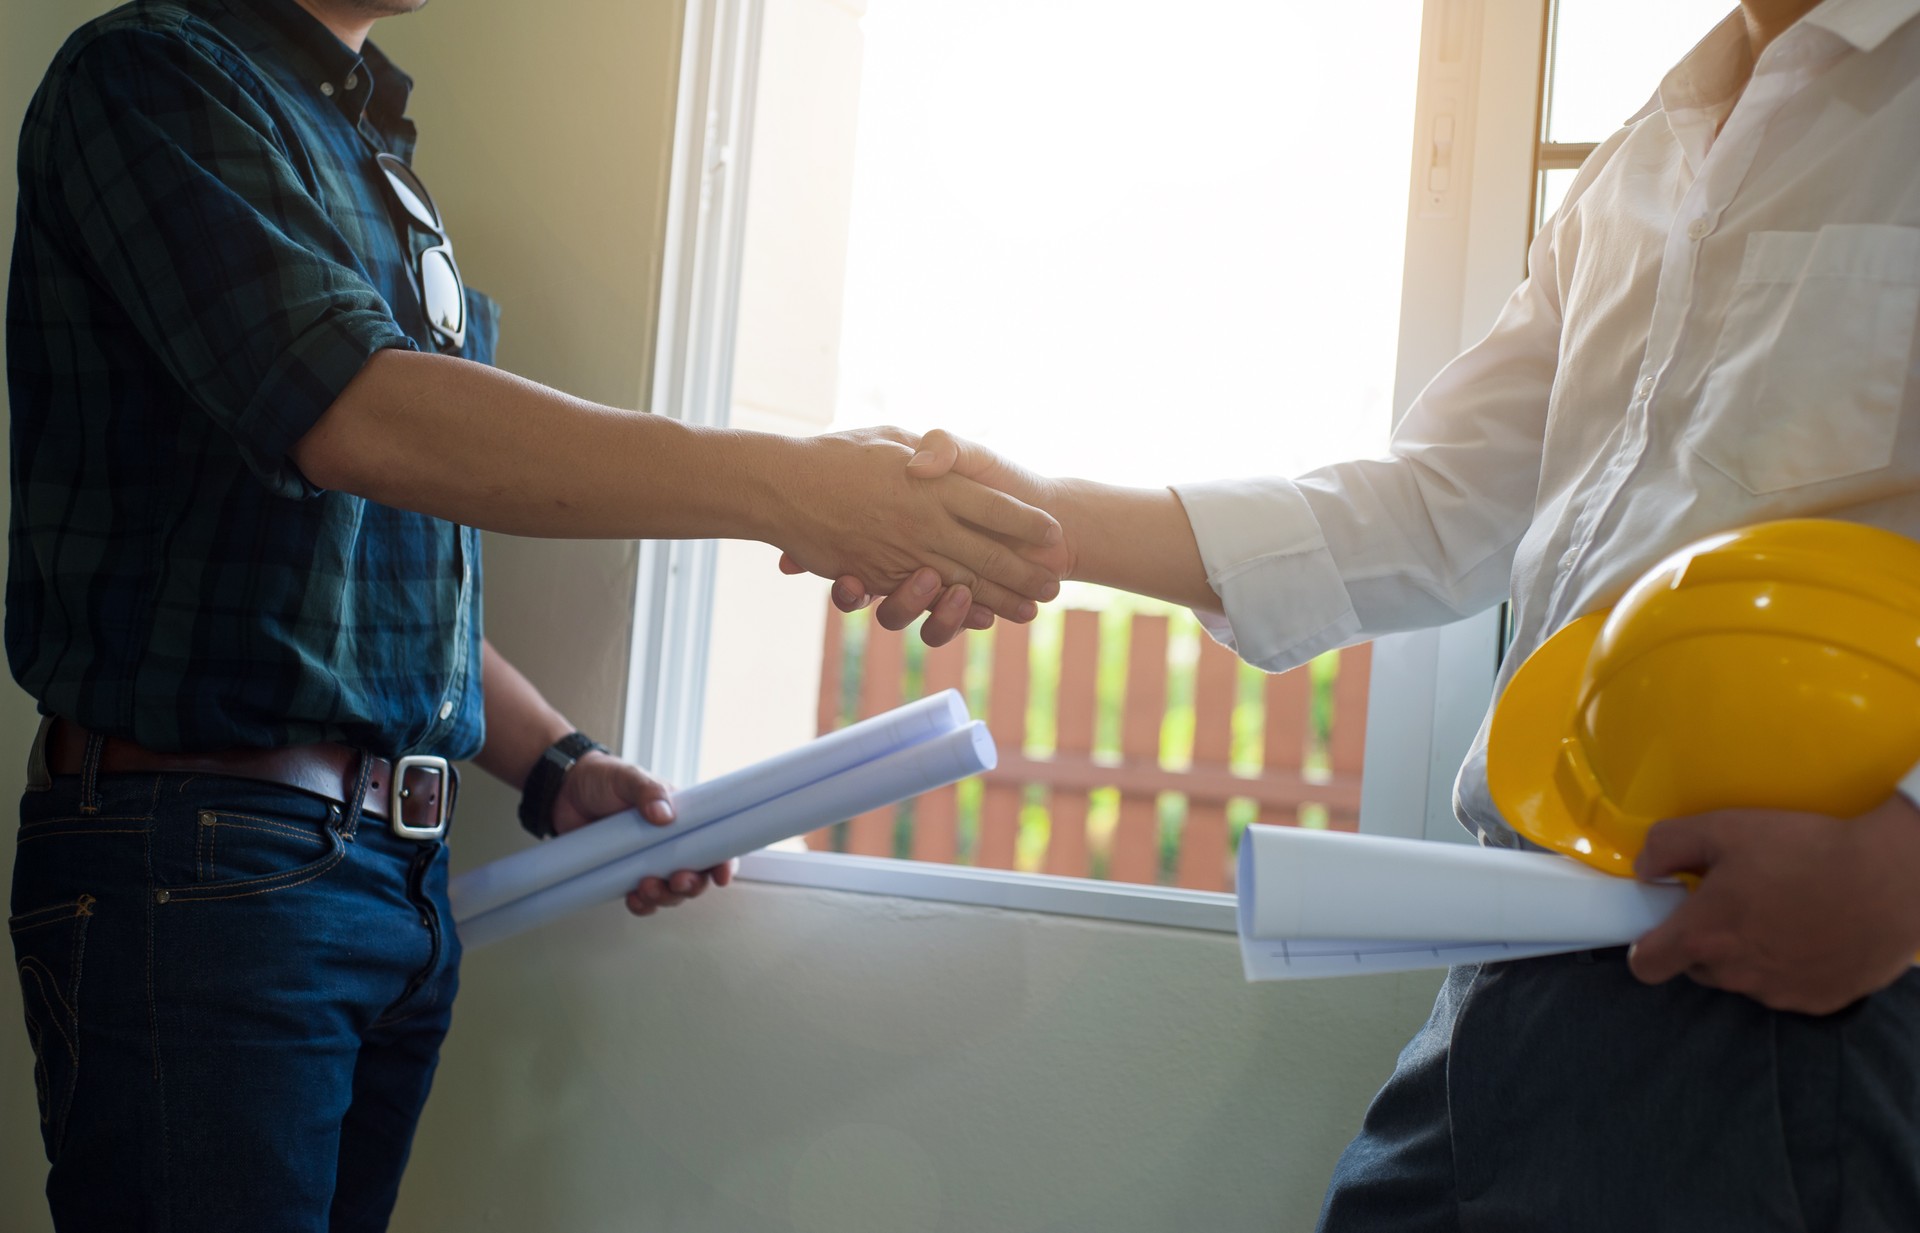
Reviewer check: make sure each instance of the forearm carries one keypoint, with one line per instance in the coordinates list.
(521, 724)
(475, 445)
(1135, 539)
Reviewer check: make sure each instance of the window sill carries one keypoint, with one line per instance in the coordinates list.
(1170, 907)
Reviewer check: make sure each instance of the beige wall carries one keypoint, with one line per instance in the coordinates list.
(777, 1059)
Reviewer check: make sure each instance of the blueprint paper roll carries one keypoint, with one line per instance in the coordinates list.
(591, 847)
(1320, 884)
(893, 777)
(1317, 904)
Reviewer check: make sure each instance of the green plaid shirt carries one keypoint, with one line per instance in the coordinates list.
(205, 257)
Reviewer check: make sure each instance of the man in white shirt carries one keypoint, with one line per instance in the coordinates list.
(1718, 329)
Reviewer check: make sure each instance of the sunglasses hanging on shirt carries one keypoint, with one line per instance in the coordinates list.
(435, 276)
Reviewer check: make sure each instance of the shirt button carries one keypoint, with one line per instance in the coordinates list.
(353, 81)
(446, 709)
(326, 88)
(1697, 228)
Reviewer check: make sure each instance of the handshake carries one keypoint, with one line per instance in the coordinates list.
(940, 526)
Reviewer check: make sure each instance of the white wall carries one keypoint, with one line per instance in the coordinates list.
(771, 1059)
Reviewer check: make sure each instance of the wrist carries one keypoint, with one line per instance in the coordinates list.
(546, 778)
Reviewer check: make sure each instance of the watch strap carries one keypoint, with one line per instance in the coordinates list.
(542, 788)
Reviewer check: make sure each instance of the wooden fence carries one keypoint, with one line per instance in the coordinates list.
(1175, 823)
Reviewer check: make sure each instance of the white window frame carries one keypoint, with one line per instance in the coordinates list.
(693, 367)
(1470, 205)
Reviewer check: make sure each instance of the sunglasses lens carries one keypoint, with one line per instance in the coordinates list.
(413, 195)
(440, 288)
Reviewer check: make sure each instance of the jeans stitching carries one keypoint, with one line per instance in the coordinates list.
(62, 1009)
(267, 825)
(290, 878)
(90, 773)
(125, 830)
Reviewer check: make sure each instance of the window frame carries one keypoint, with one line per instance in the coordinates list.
(1477, 111)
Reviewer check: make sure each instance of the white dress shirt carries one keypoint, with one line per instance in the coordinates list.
(1715, 330)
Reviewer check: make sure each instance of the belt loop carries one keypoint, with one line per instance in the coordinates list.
(39, 771)
(362, 776)
(90, 773)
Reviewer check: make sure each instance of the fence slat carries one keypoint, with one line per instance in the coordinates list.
(936, 833)
(827, 711)
(1347, 741)
(1136, 837)
(871, 834)
(1073, 772)
(1075, 713)
(1203, 836)
(1007, 720)
(1287, 702)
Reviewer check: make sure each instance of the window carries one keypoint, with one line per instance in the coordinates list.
(1115, 239)
(1605, 58)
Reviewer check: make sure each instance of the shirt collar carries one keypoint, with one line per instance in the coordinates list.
(1863, 23)
(1708, 75)
(355, 82)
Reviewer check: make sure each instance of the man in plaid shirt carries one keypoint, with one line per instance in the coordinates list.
(254, 430)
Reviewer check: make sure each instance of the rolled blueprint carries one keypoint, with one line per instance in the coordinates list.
(623, 834)
(1315, 903)
(871, 785)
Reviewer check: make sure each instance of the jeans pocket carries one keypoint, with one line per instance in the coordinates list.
(237, 853)
(49, 945)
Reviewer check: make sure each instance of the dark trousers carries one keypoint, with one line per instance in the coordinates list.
(1559, 1095)
(236, 995)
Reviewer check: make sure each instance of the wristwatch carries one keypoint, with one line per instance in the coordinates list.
(543, 781)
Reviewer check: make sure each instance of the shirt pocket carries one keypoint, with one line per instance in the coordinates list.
(1811, 366)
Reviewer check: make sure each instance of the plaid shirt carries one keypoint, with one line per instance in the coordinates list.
(205, 257)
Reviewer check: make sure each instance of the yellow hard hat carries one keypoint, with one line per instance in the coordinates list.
(1775, 667)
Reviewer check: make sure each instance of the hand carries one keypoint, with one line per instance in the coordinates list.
(857, 513)
(599, 785)
(1799, 911)
(942, 455)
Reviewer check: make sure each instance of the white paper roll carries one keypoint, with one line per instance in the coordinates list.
(893, 777)
(591, 847)
(1316, 903)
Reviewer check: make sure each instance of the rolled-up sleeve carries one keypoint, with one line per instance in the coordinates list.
(1424, 535)
(180, 196)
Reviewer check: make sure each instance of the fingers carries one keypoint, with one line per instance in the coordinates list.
(999, 576)
(995, 511)
(948, 617)
(938, 452)
(979, 616)
(919, 593)
(1679, 945)
(850, 594)
(790, 566)
(655, 893)
(1679, 845)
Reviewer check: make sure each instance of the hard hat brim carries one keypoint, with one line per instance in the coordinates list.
(1534, 716)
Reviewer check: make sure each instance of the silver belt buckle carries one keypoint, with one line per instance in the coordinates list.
(398, 792)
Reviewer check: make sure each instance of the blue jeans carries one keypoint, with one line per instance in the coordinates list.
(235, 993)
(1559, 1095)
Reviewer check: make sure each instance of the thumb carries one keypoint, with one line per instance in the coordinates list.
(1679, 845)
(939, 452)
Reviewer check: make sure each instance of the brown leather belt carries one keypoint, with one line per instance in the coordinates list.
(423, 793)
